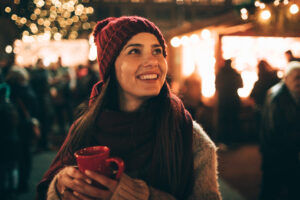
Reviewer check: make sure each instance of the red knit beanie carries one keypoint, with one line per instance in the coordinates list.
(111, 34)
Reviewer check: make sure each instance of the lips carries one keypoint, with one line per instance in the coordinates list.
(148, 76)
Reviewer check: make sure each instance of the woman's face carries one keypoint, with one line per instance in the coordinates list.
(140, 68)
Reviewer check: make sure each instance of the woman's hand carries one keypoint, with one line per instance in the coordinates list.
(95, 192)
(72, 184)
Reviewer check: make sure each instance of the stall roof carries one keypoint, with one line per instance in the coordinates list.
(230, 23)
(220, 22)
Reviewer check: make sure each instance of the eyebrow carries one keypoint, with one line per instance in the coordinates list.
(140, 45)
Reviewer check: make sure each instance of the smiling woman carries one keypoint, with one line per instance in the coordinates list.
(133, 112)
(140, 64)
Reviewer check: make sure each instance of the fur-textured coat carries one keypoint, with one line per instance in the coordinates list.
(206, 181)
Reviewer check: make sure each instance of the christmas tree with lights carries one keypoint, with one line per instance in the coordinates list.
(51, 19)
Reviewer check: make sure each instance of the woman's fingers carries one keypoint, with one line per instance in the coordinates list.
(72, 184)
(91, 190)
(75, 173)
(68, 195)
(67, 177)
(111, 184)
(81, 196)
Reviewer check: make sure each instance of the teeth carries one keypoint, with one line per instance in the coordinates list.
(148, 76)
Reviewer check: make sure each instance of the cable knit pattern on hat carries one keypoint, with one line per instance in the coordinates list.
(111, 34)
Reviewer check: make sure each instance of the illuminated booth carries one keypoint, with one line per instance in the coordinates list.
(202, 47)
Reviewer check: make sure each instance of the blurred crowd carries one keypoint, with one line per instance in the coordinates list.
(225, 116)
(36, 102)
(269, 117)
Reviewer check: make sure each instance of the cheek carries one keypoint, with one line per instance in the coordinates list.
(125, 72)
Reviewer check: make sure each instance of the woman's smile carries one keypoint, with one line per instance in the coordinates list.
(148, 77)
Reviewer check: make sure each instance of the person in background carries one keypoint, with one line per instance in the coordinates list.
(190, 92)
(9, 143)
(86, 77)
(132, 110)
(6, 63)
(280, 138)
(290, 56)
(23, 96)
(228, 81)
(267, 77)
(39, 76)
(60, 90)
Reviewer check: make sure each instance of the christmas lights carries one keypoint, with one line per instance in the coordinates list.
(53, 19)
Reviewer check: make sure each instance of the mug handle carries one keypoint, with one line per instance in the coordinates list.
(119, 162)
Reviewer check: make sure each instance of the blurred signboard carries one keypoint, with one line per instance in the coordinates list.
(72, 52)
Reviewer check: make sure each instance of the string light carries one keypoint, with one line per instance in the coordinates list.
(262, 5)
(276, 2)
(256, 3)
(8, 49)
(205, 34)
(264, 12)
(285, 2)
(294, 9)
(244, 13)
(16, 2)
(7, 9)
(54, 19)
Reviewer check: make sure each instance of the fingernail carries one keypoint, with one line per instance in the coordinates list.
(76, 193)
(88, 181)
(77, 182)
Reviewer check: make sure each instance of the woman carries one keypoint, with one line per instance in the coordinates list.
(134, 113)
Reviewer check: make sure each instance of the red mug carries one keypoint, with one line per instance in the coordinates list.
(96, 158)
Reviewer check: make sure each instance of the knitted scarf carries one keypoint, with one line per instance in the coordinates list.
(128, 135)
(132, 136)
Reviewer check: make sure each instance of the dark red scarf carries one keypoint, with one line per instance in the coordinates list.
(132, 136)
(128, 135)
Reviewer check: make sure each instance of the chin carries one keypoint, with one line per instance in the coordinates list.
(151, 93)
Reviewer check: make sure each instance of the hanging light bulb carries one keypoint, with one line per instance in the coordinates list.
(8, 49)
(276, 2)
(205, 34)
(294, 9)
(175, 42)
(285, 2)
(244, 13)
(257, 3)
(265, 15)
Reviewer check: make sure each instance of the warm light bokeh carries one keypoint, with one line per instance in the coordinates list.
(72, 52)
(198, 54)
(246, 52)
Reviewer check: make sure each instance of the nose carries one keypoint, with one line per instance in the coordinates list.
(150, 61)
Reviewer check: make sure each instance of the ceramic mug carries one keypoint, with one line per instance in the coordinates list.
(96, 158)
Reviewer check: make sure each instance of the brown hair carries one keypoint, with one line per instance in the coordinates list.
(172, 162)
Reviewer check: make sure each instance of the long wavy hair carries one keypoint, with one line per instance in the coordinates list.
(172, 162)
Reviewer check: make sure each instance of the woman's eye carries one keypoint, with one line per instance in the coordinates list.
(157, 51)
(134, 51)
